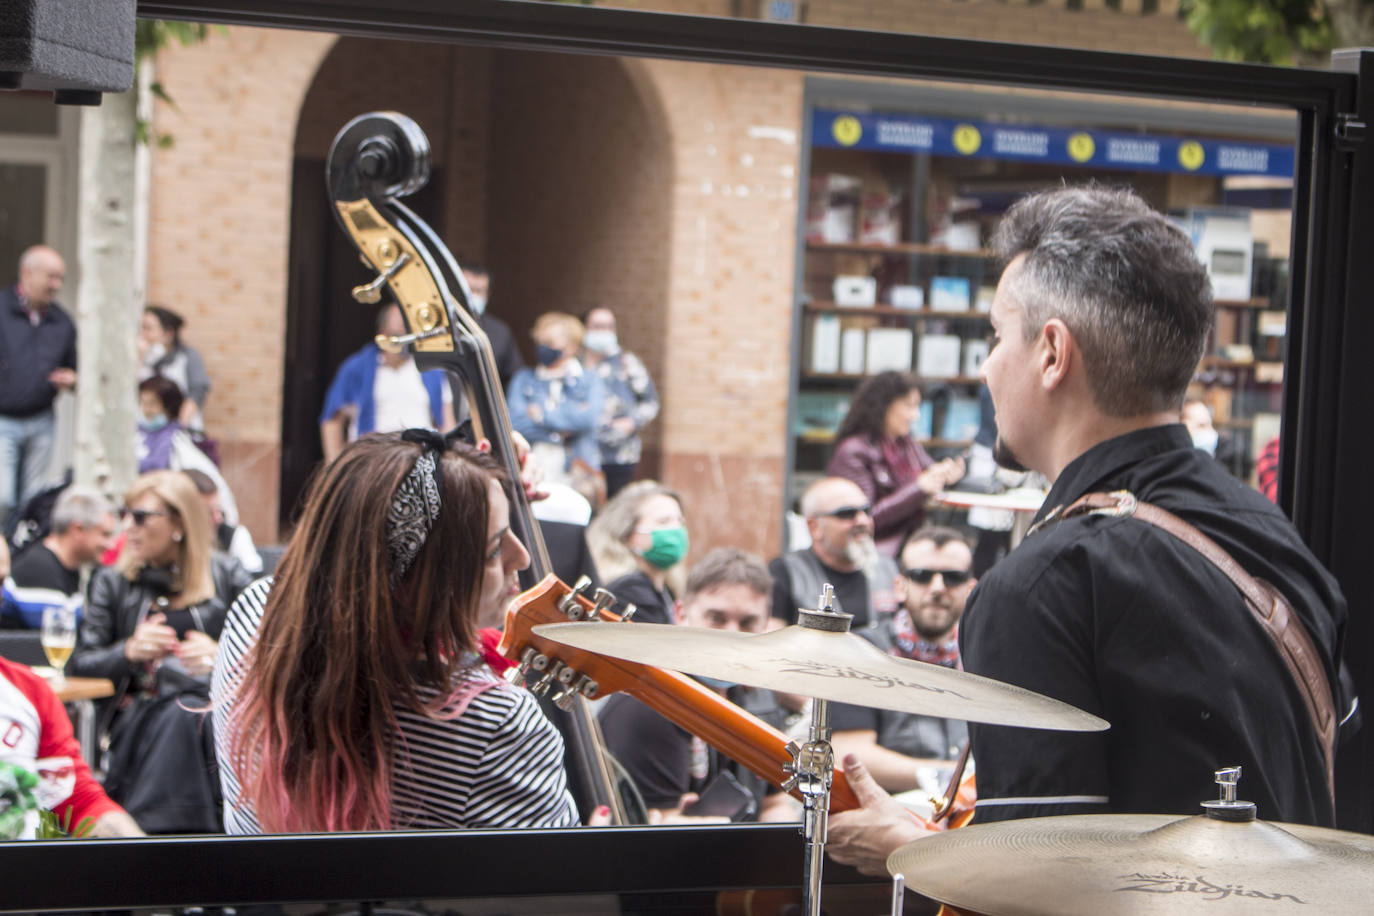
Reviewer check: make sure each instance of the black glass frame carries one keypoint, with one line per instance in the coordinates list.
(1325, 483)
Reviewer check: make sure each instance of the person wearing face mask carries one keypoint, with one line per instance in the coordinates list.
(161, 352)
(1197, 417)
(503, 348)
(557, 405)
(163, 444)
(631, 401)
(638, 542)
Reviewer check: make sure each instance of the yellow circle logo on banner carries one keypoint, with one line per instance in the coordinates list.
(846, 130)
(1191, 155)
(1081, 147)
(967, 139)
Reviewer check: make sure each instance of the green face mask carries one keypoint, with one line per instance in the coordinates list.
(667, 548)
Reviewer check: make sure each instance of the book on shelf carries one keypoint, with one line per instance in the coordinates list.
(852, 351)
(889, 349)
(963, 416)
(825, 344)
(950, 294)
(937, 356)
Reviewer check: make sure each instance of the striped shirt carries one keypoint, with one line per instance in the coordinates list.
(498, 764)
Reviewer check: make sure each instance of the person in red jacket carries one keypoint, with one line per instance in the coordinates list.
(36, 734)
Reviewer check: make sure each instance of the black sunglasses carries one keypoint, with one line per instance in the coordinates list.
(951, 577)
(140, 516)
(847, 513)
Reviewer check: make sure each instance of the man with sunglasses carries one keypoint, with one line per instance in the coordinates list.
(842, 553)
(1101, 317)
(905, 751)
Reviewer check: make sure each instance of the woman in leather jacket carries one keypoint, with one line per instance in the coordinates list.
(163, 604)
(876, 450)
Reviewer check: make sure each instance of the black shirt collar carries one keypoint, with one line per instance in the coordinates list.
(1105, 459)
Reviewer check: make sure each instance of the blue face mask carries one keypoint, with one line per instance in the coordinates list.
(156, 421)
(547, 356)
(477, 303)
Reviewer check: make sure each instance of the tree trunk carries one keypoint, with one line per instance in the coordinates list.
(107, 307)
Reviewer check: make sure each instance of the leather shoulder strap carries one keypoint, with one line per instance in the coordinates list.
(1269, 608)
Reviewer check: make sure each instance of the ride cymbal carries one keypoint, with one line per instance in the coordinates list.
(837, 666)
(1088, 865)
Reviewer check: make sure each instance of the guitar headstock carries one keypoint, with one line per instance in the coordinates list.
(547, 664)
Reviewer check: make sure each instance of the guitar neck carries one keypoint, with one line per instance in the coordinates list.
(736, 733)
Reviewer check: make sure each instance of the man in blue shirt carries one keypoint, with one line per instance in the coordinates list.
(37, 359)
(375, 391)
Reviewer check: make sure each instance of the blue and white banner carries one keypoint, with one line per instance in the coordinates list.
(1051, 145)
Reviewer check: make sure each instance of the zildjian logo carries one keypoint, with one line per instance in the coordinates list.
(1177, 884)
(820, 669)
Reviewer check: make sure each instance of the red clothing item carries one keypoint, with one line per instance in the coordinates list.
(36, 734)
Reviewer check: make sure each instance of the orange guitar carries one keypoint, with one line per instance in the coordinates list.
(739, 735)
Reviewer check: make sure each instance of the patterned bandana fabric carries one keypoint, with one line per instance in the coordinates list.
(910, 644)
(413, 511)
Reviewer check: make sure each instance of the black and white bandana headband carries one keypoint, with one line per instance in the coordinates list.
(416, 505)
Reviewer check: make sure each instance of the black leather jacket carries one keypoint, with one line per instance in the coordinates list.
(114, 606)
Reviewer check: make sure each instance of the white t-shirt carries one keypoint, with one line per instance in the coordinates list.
(400, 399)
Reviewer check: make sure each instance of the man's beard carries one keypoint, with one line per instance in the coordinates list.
(863, 553)
(1003, 455)
(925, 630)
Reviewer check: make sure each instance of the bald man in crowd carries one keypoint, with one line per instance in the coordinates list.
(842, 552)
(37, 360)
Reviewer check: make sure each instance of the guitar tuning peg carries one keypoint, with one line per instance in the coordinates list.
(371, 293)
(541, 686)
(629, 612)
(604, 599)
(568, 604)
(517, 674)
(589, 688)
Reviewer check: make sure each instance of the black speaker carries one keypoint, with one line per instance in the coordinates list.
(75, 48)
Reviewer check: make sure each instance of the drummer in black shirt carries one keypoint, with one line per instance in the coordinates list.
(1100, 319)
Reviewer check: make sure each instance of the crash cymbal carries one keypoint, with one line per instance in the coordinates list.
(837, 666)
(1088, 865)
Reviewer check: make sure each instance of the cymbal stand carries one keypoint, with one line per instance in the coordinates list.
(813, 763)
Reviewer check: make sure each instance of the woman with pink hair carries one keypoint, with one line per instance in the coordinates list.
(350, 693)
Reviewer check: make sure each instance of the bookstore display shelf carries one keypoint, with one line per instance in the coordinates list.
(826, 436)
(902, 248)
(831, 307)
(849, 378)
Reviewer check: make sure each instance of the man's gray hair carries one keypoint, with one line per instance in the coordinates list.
(1124, 280)
(79, 505)
(729, 566)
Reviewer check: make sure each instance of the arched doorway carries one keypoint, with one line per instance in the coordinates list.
(553, 170)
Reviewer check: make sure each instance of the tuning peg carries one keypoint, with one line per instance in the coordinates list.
(371, 293)
(517, 674)
(568, 604)
(396, 344)
(604, 599)
(629, 612)
(541, 686)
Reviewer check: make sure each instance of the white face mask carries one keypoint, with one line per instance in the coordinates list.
(478, 303)
(603, 342)
(1205, 439)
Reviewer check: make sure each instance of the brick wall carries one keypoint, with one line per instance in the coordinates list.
(219, 216)
(665, 190)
